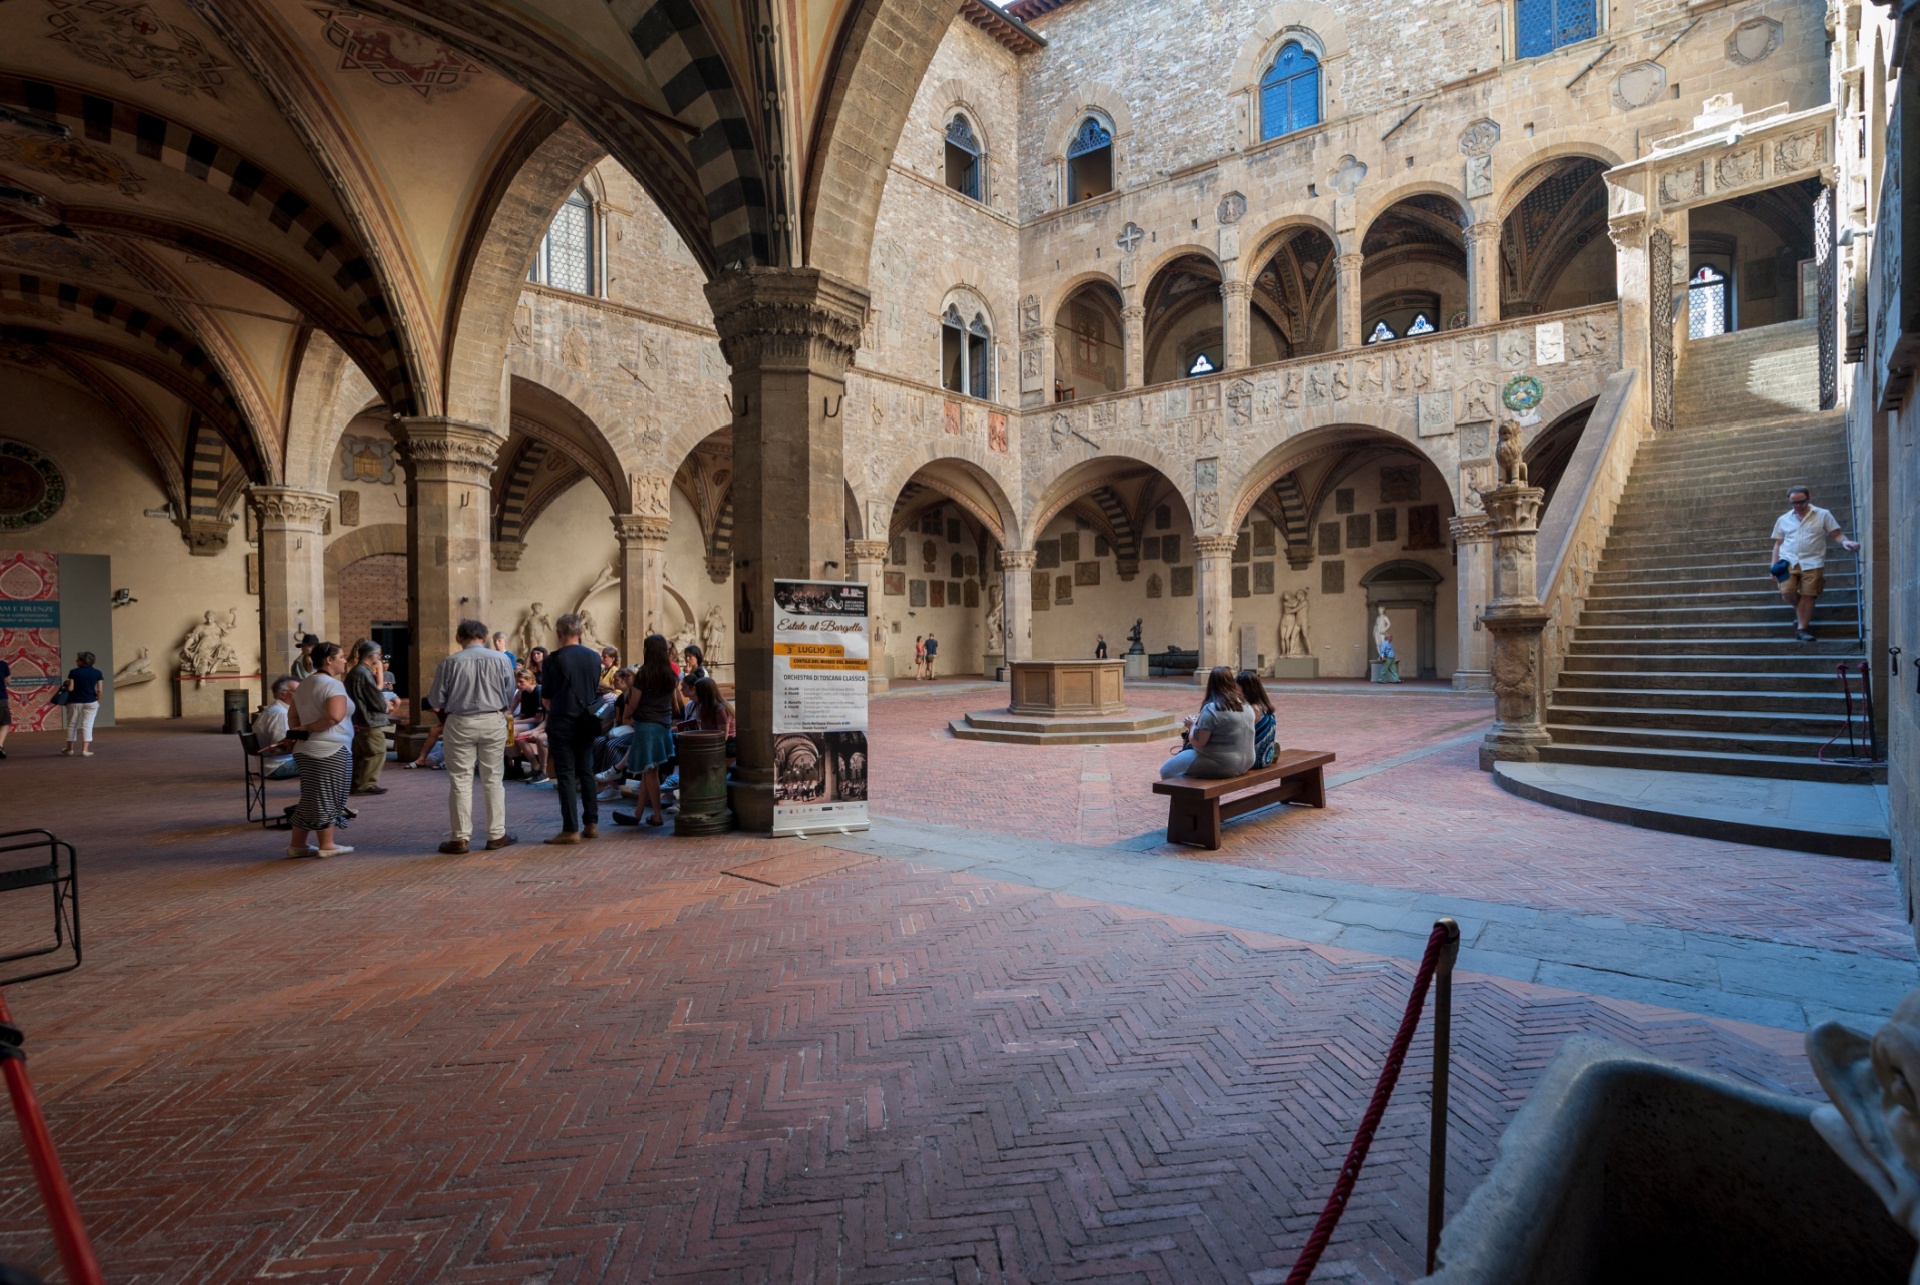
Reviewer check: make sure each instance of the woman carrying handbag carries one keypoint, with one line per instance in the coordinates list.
(80, 694)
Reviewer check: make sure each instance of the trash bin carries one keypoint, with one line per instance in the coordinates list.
(234, 701)
(703, 783)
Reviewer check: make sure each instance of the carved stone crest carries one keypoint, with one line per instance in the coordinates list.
(1752, 41)
(1231, 208)
(1800, 152)
(1346, 175)
(1240, 403)
(1736, 169)
(1638, 84)
(1683, 184)
(1478, 139)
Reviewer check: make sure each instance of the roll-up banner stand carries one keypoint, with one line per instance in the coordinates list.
(820, 650)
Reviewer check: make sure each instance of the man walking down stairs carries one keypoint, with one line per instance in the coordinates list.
(1686, 660)
(1800, 539)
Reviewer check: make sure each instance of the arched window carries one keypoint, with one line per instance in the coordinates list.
(1089, 161)
(963, 158)
(1542, 26)
(1707, 303)
(1381, 333)
(565, 258)
(1421, 325)
(1202, 365)
(966, 354)
(1290, 92)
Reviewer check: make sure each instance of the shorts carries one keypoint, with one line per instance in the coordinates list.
(6, 712)
(1805, 582)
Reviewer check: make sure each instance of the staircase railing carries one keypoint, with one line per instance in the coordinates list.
(1574, 530)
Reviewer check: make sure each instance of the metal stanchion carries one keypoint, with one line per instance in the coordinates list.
(1442, 1056)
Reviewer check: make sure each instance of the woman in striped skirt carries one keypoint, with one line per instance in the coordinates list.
(321, 720)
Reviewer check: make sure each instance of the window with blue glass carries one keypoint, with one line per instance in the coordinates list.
(1422, 325)
(1542, 26)
(1290, 92)
(1381, 333)
(1089, 161)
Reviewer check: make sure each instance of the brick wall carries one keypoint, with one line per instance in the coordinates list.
(371, 589)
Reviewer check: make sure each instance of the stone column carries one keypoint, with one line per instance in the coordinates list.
(1016, 597)
(866, 563)
(1213, 600)
(1039, 390)
(1347, 299)
(1483, 272)
(1473, 548)
(449, 467)
(643, 567)
(789, 335)
(1237, 320)
(293, 571)
(1515, 617)
(1133, 341)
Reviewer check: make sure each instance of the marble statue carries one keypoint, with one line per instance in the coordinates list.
(206, 651)
(996, 620)
(713, 636)
(536, 629)
(687, 636)
(1874, 1121)
(137, 670)
(1383, 648)
(589, 627)
(1513, 466)
(605, 580)
(1293, 624)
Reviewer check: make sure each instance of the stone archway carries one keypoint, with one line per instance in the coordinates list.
(1405, 584)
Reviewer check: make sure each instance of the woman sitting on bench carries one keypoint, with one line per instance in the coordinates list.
(1220, 739)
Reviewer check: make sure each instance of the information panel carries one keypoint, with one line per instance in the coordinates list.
(820, 650)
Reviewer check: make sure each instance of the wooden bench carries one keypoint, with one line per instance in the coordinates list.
(1197, 805)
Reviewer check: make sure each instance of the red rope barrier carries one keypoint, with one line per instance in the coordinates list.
(76, 1255)
(1362, 1140)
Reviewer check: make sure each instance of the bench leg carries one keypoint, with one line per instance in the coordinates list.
(1194, 821)
(1313, 789)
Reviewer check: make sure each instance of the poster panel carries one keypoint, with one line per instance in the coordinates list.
(820, 650)
(30, 636)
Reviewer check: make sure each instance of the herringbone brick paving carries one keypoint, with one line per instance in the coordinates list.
(616, 1062)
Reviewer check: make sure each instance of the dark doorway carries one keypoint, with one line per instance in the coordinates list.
(396, 644)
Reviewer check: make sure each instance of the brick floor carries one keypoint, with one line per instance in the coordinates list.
(618, 1062)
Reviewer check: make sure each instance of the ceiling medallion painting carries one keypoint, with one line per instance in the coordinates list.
(394, 55)
(32, 487)
(135, 41)
(70, 161)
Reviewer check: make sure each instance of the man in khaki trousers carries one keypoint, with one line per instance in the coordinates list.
(473, 691)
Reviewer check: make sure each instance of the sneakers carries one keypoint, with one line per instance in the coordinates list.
(338, 850)
(86, 754)
(1804, 635)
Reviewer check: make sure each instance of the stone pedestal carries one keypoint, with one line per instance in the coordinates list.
(789, 335)
(449, 467)
(994, 666)
(1067, 702)
(293, 570)
(207, 697)
(1136, 663)
(1296, 667)
(1515, 618)
(1473, 548)
(1213, 600)
(1055, 687)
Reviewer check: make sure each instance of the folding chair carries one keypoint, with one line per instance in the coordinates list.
(17, 874)
(256, 777)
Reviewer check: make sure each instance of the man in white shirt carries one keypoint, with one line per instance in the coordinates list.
(270, 729)
(1800, 540)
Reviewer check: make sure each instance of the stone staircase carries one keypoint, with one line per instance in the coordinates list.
(1684, 656)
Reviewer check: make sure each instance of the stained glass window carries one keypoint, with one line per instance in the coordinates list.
(1706, 303)
(1542, 26)
(1201, 366)
(1290, 92)
(1420, 326)
(1381, 333)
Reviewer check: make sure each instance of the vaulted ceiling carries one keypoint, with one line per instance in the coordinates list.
(191, 189)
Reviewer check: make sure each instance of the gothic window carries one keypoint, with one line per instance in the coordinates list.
(966, 354)
(1707, 303)
(565, 258)
(1381, 333)
(1421, 325)
(963, 158)
(1089, 161)
(1202, 365)
(1290, 92)
(1542, 26)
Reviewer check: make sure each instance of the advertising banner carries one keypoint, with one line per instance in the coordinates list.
(30, 637)
(820, 649)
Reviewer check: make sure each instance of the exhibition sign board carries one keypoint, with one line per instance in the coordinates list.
(820, 651)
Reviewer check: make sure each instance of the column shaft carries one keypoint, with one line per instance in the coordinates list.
(1213, 600)
(866, 564)
(789, 336)
(1237, 320)
(1016, 603)
(1472, 540)
(1483, 273)
(449, 466)
(1347, 299)
(293, 571)
(643, 566)
(1133, 340)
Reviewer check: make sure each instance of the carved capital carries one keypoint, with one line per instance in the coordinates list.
(1215, 546)
(287, 508)
(1514, 510)
(205, 537)
(787, 318)
(719, 567)
(1351, 262)
(435, 446)
(1628, 232)
(1236, 291)
(640, 528)
(1018, 559)
(506, 555)
(1475, 528)
(866, 551)
(1132, 315)
(1484, 230)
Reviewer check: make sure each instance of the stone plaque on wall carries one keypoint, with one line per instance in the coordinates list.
(1163, 517)
(1242, 586)
(1086, 573)
(971, 567)
(1243, 546)
(1263, 539)
(1360, 531)
(1333, 577)
(1343, 500)
(1069, 547)
(1170, 548)
(349, 508)
(953, 530)
(916, 593)
(1150, 549)
(1433, 414)
(1423, 527)
(1182, 582)
(1549, 343)
(896, 583)
(897, 551)
(1101, 549)
(936, 593)
(1386, 525)
(1153, 585)
(971, 596)
(956, 565)
(953, 593)
(1263, 577)
(1399, 483)
(929, 556)
(1042, 589)
(1063, 589)
(1046, 554)
(1329, 539)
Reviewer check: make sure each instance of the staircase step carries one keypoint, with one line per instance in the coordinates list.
(1690, 613)
(1782, 644)
(1752, 586)
(1712, 632)
(1761, 740)
(1586, 685)
(1742, 723)
(1806, 660)
(1797, 769)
